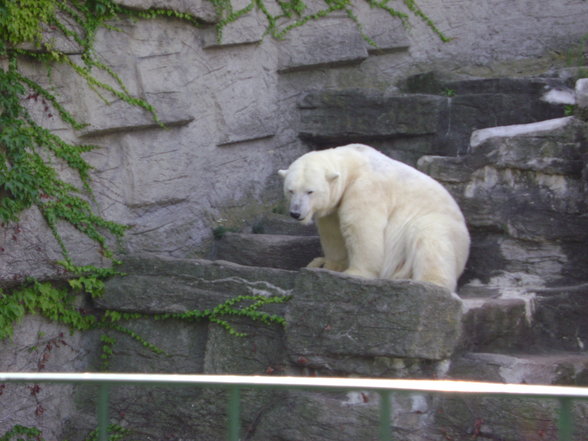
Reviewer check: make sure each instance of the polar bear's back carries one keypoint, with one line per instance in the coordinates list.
(401, 180)
(425, 237)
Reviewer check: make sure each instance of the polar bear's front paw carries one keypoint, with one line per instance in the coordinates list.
(317, 262)
(335, 266)
(360, 273)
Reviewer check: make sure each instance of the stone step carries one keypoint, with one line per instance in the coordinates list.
(436, 114)
(268, 250)
(154, 284)
(545, 319)
(562, 368)
(499, 418)
(335, 323)
(438, 84)
(495, 324)
(273, 223)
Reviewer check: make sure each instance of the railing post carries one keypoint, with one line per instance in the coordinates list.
(385, 411)
(234, 423)
(565, 425)
(102, 412)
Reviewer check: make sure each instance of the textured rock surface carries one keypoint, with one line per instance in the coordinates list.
(230, 108)
(175, 285)
(333, 316)
(523, 190)
(357, 334)
(437, 114)
(199, 8)
(270, 250)
(335, 118)
(501, 418)
(354, 317)
(326, 42)
(232, 121)
(39, 345)
(496, 325)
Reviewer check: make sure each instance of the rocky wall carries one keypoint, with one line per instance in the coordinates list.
(234, 111)
(230, 110)
(335, 326)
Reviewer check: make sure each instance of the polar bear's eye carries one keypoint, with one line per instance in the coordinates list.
(309, 192)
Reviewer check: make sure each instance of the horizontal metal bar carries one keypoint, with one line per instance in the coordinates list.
(244, 382)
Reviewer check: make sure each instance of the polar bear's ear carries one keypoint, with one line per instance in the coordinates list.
(283, 173)
(332, 175)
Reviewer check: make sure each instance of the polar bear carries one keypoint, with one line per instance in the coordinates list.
(377, 217)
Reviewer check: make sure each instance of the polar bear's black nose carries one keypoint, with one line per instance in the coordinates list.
(295, 214)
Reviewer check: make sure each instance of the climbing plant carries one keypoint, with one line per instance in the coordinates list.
(31, 155)
(295, 13)
(60, 304)
(23, 433)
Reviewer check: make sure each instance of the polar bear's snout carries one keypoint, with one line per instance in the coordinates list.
(295, 214)
(300, 208)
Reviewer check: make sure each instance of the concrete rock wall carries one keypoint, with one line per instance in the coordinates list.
(232, 119)
(230, 110)
(336, 326)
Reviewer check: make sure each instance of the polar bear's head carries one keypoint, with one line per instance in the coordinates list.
(308, 186)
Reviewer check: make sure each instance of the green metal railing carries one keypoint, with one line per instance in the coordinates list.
(384, 387)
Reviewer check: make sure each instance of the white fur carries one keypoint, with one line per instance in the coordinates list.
(377, 217)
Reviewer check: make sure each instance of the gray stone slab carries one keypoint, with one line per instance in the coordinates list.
(249, 28)
(337, 315)
(155, 284)
(285, 225)
(143, 77)
(330, 41)
(387, 32)
(354, 115)
(494, 325)
(201, 9)
(269, 250)
(249, 105)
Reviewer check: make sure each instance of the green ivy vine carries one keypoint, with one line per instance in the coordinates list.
(61, 304)
(293, 13)
(23, 433)
(30, 154)
(28, 151)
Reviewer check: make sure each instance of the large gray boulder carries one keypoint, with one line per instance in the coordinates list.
(436, 114)
(336, 324)
(158, 285)
(329, 315)
(333, 316)
(269, 250)
(523, 189)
